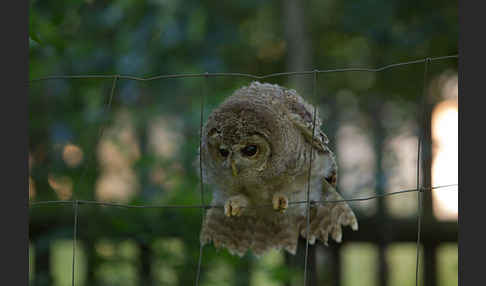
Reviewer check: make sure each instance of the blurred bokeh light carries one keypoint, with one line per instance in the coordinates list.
(445, 135)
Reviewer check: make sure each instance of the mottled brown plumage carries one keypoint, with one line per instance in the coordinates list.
(255, 151)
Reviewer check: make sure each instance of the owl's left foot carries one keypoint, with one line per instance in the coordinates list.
(234, 205)
(280, 202)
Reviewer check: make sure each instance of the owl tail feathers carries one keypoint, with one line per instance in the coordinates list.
(241, 234)
(225, 232)
(220, 242)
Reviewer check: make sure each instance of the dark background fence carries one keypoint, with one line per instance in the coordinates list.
(117, 139)
(379, 229)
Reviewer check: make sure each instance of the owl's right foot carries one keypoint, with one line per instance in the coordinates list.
(280, 202)
(235, 205)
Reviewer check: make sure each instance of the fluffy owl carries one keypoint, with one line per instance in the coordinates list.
(256, 151)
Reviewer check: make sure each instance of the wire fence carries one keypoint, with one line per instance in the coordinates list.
(420, 189)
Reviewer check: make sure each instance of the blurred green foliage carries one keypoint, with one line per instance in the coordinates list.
(153, 37)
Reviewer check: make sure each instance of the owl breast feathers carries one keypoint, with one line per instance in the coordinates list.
(257, 150)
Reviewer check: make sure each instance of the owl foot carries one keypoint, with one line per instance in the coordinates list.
(234, 205)
(280, 202)
(328, 219)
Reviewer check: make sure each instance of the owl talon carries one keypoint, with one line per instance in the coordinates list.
(329, 221)
(280, 203)
(234, 206)
(231, 209)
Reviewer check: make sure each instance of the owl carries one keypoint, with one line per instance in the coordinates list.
(257, 149)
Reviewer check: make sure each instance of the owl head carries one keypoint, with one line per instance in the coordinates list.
(252, 137)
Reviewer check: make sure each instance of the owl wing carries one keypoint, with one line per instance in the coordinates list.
(302, 116)
(326, 218)
(318, 141)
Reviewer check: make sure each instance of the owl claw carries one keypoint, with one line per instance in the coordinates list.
(231, 209)
(280, 202)
(234, 206)
(329, 221)
(337, 233)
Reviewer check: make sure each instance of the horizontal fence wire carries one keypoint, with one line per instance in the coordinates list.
(108, 204)
(252, 76)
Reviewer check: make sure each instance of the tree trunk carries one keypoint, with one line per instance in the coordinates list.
(298, 41)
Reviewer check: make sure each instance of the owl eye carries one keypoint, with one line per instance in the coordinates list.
(224, 152)
(249, 150)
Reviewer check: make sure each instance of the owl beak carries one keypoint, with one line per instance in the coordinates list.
(233, 168)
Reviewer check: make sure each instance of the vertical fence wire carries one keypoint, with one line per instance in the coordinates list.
(311, 151)
(101, 130)
(203, 211)
(75, 235)
(106, 109)
(419, 158)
